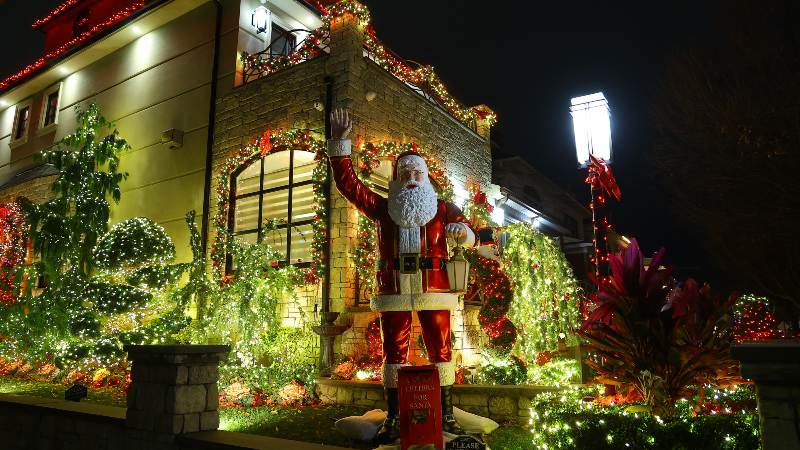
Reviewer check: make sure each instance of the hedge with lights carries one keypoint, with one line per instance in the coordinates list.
(570, 419)
(13, 243)
(545, 306)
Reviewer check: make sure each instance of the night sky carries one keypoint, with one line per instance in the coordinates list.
(526, 60)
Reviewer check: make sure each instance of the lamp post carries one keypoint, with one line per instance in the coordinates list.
(591, 119)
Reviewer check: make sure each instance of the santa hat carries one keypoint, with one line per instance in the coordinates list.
(409, 157)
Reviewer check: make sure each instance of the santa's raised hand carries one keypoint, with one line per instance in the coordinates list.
(340, 123)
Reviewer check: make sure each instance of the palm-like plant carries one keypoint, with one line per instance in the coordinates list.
(660, 338)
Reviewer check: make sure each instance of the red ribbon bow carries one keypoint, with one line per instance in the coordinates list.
(605, 177)
(266, 142)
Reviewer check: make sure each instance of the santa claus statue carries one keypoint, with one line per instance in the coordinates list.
(413, 227)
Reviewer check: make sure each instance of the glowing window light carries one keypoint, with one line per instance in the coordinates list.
(591, 119)
(261, 19)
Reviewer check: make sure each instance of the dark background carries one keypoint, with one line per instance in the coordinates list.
(526, 60)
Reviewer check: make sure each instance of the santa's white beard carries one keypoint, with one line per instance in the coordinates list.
(412, 207)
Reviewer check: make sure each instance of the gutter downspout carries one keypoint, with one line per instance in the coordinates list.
(212, 112)
(326, 284)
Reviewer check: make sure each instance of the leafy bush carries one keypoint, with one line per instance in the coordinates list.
(662, 340)
(556, 372)
(114, 298)
(132, 243)
(503, 371)
(565, 421)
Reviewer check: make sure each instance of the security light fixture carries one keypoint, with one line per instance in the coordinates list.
(261, 18)
(591, 119)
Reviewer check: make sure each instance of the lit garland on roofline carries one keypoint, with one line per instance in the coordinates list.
(424, 77)
(270, 142)
(75, 41)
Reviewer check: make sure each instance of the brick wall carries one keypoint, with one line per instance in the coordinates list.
(36, 190)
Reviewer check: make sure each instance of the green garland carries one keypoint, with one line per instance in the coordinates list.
(545, 292)
(270, 142)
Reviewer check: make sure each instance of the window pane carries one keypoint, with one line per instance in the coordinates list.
(304, 165)
(22, 122)
(248, 180)
(275, 206)
(276, 170)
(301, 243)
(246, 215)
(380, 177)
(277, 240)
(51, 108)
(302, 203)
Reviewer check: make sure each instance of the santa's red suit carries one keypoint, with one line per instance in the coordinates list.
(411, 276)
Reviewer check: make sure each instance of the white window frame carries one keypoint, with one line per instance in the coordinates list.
(43, 129)
(15, 142)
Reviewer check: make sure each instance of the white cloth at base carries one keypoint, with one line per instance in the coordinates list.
(365, 427)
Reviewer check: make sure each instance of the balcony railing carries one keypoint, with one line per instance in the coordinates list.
(280, 53)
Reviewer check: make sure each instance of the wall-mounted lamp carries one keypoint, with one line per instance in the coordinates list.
(370, 95)
(319, 106)
(261, 18)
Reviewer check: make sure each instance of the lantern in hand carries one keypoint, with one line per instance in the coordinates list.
(458, 271)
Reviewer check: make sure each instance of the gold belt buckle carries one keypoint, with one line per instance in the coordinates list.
(409, 264)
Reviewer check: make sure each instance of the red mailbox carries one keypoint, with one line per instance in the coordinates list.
(420, 407)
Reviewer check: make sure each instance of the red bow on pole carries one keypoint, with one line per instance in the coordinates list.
(605, 177)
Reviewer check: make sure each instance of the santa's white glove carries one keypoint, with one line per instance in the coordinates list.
(460, 234)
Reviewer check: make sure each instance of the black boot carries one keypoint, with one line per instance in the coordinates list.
(390, 430)
(449, 423)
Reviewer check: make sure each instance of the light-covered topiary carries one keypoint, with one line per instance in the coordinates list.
(134, 243)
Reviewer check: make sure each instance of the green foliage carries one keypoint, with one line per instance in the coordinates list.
(565, 421)
(503, 371)
(545, 306)
(663, 340)
(64, 230)
(134, 243)
(114, 298)
(556, 372)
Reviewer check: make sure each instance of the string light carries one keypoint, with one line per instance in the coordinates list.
(424, 77)
(74, 42)
(545, 306)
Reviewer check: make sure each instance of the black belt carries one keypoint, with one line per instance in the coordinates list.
(413, 263)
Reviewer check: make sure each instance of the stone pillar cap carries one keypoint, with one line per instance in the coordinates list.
(787, 352)
(177, 354)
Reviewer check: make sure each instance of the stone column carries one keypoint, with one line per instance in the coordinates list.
(173, 388)
(775, 368)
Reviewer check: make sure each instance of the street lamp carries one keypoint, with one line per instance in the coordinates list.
(591, 119)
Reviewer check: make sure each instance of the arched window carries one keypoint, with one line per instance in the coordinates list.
(272, 199)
